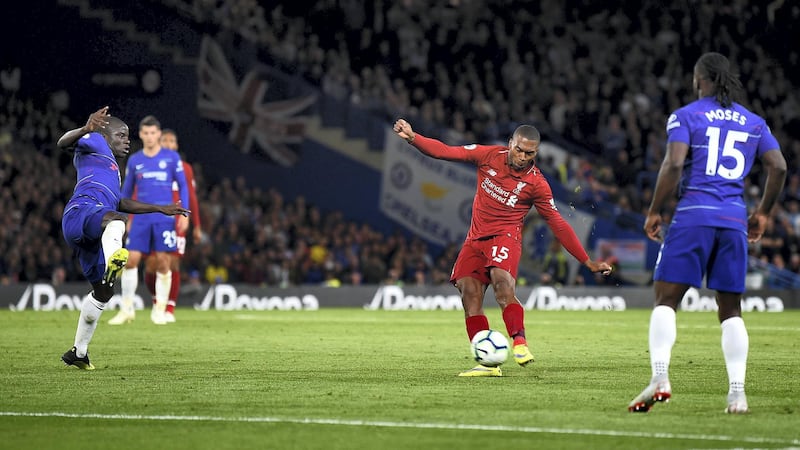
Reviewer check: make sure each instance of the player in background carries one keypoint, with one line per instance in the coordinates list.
(509, 185)
(169, 140)
(94, 219)
(149, 176)
(712, 143)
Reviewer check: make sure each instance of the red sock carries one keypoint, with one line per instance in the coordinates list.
(476, 324)
(150, 282)
(514, 317)
(173, 291)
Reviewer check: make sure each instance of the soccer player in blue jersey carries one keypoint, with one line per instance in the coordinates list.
(149, 176)
(711, 146)
(94, 218)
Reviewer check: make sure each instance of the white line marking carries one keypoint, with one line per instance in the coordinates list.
(435, 426)
(713, 325)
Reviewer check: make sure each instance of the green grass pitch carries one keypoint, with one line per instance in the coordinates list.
(357, 379)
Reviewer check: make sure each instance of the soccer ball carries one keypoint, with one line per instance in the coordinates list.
(490, 348)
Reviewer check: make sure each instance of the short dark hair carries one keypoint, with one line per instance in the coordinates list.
(169, 131)
(528, 132)
(716, 68)
(114, 123)
(149, 121)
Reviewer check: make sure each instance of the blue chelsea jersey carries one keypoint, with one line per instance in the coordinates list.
(98, 171)
(153, 177)
(723, 145)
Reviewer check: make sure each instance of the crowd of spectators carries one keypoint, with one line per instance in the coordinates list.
(255, 236)
(602, 77)
(599, 77)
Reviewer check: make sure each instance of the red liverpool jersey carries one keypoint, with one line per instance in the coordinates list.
(504, 196)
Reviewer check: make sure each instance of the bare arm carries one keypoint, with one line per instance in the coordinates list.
(668, 177)
(775, 165)
(97, 121)
(130, 206)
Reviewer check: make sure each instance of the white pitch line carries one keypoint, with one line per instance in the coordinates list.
(711, 326)
(389, 424)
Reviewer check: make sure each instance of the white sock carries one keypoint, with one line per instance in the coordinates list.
(91, 309)
(130, 280)
(112, 238)
(735, 344)
(663, 331)
(163, 286)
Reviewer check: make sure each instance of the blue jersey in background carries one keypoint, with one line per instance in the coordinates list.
(153, 178)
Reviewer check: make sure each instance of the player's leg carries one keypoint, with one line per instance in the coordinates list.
(164, 242)
(175, 288)
(129, 281)
(162, 288)
(138, 242)
(150, 264)
(472, 292)
(104, 230)
(727, 278)
(661, 339)
(471, 278)
(735, 346)
(681, 263)
(111, 242)
(503, 273)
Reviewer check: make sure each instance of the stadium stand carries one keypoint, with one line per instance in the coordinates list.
(597, 80)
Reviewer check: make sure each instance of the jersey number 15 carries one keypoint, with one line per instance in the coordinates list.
(713, 167)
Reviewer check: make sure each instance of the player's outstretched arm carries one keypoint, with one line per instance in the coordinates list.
(97, 121)
(598, 266)
(130, 206)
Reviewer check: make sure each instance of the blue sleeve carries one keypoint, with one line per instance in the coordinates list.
(678, 128)
(767, 141)
(127, 183)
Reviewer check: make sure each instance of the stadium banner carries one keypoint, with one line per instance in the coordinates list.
(244, 297)
(430, 197)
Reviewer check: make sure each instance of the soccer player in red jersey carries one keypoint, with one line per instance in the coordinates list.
(509, 185)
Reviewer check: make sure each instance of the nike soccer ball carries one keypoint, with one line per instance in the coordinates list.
(490, 348)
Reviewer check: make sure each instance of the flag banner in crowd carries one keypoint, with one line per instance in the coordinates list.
(430, 197)
(255, 118)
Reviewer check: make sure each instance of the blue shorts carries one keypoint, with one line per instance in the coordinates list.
(152, 232)
(690, 253)
(82, 225)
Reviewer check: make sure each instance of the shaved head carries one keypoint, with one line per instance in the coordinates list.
(527, 132)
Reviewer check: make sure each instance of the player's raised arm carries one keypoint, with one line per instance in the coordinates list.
(96, 122)
(434, 147)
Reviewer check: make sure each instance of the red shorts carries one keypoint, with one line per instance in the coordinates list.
(477, 257)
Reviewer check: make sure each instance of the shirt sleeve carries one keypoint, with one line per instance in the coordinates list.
(439, 150)
(127, 183)
(546, 207)
(677, 128)
(767, 141)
